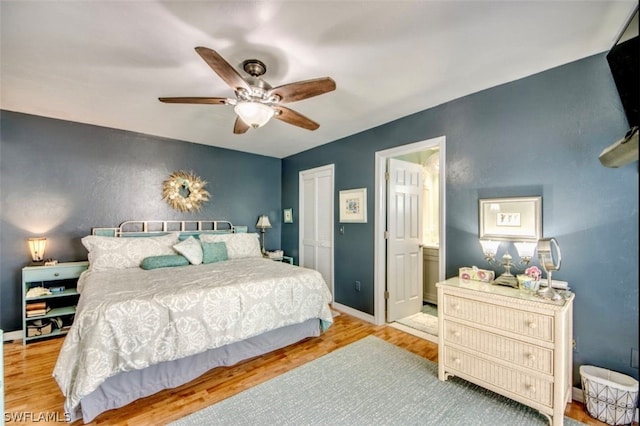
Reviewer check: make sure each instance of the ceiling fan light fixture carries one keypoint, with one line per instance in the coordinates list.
(255, 114)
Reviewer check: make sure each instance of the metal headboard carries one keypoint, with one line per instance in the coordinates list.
(138, 228)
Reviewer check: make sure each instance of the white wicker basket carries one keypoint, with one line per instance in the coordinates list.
(609, 396)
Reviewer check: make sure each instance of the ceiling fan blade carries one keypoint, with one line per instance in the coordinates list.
(240, 126)
(293, 92)
(290, 116)
(222, 68)
(194, 100)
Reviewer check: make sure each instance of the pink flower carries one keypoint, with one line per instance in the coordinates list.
(534, 272)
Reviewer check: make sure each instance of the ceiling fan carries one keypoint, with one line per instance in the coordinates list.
(256, 101)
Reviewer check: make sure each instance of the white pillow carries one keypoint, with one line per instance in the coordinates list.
(238, 245)
(191, 249)
(107, 253)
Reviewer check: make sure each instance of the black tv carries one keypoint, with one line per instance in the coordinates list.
(623, 62)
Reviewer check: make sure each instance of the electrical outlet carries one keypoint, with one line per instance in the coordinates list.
(574, 344)
(357, 284)
(634, 358)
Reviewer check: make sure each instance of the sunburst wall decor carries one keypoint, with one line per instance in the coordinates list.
(184, 191)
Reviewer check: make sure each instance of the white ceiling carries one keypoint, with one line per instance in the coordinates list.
(107, 62)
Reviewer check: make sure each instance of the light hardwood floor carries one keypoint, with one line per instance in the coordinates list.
(29, 386)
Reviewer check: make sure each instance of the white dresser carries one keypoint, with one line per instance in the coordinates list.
(507, 341)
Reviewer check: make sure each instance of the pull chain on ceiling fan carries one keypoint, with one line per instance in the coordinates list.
(256, 101)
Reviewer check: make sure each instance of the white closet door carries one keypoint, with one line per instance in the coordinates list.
(316, 221)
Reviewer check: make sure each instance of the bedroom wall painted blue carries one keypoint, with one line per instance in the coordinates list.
(540, 135)
(59, 179)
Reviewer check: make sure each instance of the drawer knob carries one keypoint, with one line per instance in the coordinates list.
(456, 307)
(531, 357)
(457, 361)
(456, 333)
(56, 274)
(532, 324)
(531, 388)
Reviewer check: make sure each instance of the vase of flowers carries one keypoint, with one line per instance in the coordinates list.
(530, 281)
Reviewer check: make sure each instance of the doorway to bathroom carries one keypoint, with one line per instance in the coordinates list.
(420, 267)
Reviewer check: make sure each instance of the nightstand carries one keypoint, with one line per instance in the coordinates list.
(287, 259)
(54, 306)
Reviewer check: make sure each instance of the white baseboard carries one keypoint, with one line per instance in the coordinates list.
(12, 335)
(353, 312)
(576, 395)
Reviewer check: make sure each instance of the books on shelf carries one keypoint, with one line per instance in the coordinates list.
(37, 312)
(36, 305)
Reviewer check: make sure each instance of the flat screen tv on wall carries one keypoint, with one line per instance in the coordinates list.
(623, 61)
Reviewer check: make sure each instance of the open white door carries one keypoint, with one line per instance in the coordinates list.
(404, 239)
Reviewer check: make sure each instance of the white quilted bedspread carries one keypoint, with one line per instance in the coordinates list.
(130, 319)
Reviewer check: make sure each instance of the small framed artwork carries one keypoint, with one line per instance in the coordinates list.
(287, 215)
(511, 219)
(353, 205)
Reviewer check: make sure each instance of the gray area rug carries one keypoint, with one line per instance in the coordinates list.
(369, 382)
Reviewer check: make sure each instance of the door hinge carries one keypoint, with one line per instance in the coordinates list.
(386, 294)
(386, 235)
(386, 175)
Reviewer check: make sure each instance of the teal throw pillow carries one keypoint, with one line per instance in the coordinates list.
(164, 261)
(214, 252)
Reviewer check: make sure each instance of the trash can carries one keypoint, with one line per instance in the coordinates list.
(609, 396)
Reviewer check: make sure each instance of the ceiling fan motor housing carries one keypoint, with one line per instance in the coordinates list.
(254, 67)
(255, 97)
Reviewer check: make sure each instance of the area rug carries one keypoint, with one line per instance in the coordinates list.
(421, 321)
(369, 382)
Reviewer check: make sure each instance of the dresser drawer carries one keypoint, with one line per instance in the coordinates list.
(517, 321)
(53, 274)
(504, 348)
(508, 380)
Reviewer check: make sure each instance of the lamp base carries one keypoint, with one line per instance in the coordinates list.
(507, 280)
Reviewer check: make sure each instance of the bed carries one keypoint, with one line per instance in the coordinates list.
(160, 307)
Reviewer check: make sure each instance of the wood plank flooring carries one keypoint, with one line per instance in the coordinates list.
(29, 387)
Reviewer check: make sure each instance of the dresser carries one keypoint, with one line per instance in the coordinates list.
(508, 341)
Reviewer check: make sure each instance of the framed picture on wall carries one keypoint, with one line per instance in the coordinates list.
(287, 215)
(511, 219)
(353, 205)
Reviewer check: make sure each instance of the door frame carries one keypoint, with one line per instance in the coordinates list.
(301, 174)
(380, 207)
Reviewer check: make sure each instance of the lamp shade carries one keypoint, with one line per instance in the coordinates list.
(489, 247)
(525, 249)
(263, 222)
(36, 247)
(255, 114)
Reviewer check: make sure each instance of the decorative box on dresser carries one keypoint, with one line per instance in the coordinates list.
(508, 341)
